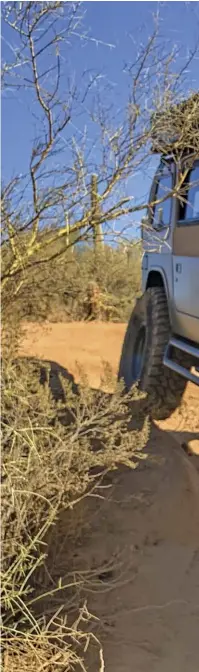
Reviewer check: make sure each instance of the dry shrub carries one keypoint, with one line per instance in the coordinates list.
(50, 647)
(55, 452)
(60, 290)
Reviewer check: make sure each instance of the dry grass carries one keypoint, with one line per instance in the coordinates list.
(55, 453)
(50, 646)
(74, 287)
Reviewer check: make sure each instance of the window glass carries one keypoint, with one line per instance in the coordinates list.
(162, 211)
(190, 209)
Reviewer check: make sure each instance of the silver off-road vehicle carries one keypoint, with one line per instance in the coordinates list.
(161, 345)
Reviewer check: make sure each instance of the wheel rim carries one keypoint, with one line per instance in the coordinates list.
(138, 354)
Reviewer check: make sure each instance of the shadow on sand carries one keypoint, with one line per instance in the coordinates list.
(54, 373)
(64, 551)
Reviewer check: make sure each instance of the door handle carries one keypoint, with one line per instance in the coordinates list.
(178, 268)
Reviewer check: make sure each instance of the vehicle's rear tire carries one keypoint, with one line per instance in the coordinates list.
(143, 349)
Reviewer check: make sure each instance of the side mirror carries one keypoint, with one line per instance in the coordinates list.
(144, 224)
(158, 225)
(160, 214)
(145, 220)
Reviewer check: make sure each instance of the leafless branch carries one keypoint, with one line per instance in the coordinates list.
(120, 145)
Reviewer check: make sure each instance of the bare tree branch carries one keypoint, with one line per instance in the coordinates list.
(54, 202)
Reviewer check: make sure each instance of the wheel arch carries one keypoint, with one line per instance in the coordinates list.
(157, 278)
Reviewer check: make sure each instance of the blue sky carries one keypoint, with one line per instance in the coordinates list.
(122, 24)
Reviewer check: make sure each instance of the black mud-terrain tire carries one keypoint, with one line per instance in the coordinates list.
(149, 325)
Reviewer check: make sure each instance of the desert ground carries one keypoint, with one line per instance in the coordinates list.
(149, 609)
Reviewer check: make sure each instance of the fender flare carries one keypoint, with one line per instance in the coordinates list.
(159, 271)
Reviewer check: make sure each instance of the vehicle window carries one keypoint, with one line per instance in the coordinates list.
(190, 209)
(162, 211)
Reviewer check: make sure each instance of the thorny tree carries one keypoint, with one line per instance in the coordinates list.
(54, 201)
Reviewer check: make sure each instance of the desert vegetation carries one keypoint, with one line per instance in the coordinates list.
(71, 288)
(70, 251)
(55, 453)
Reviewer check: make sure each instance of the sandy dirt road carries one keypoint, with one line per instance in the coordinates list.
(149, 621)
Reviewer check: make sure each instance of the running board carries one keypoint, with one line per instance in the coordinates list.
(184, 347)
